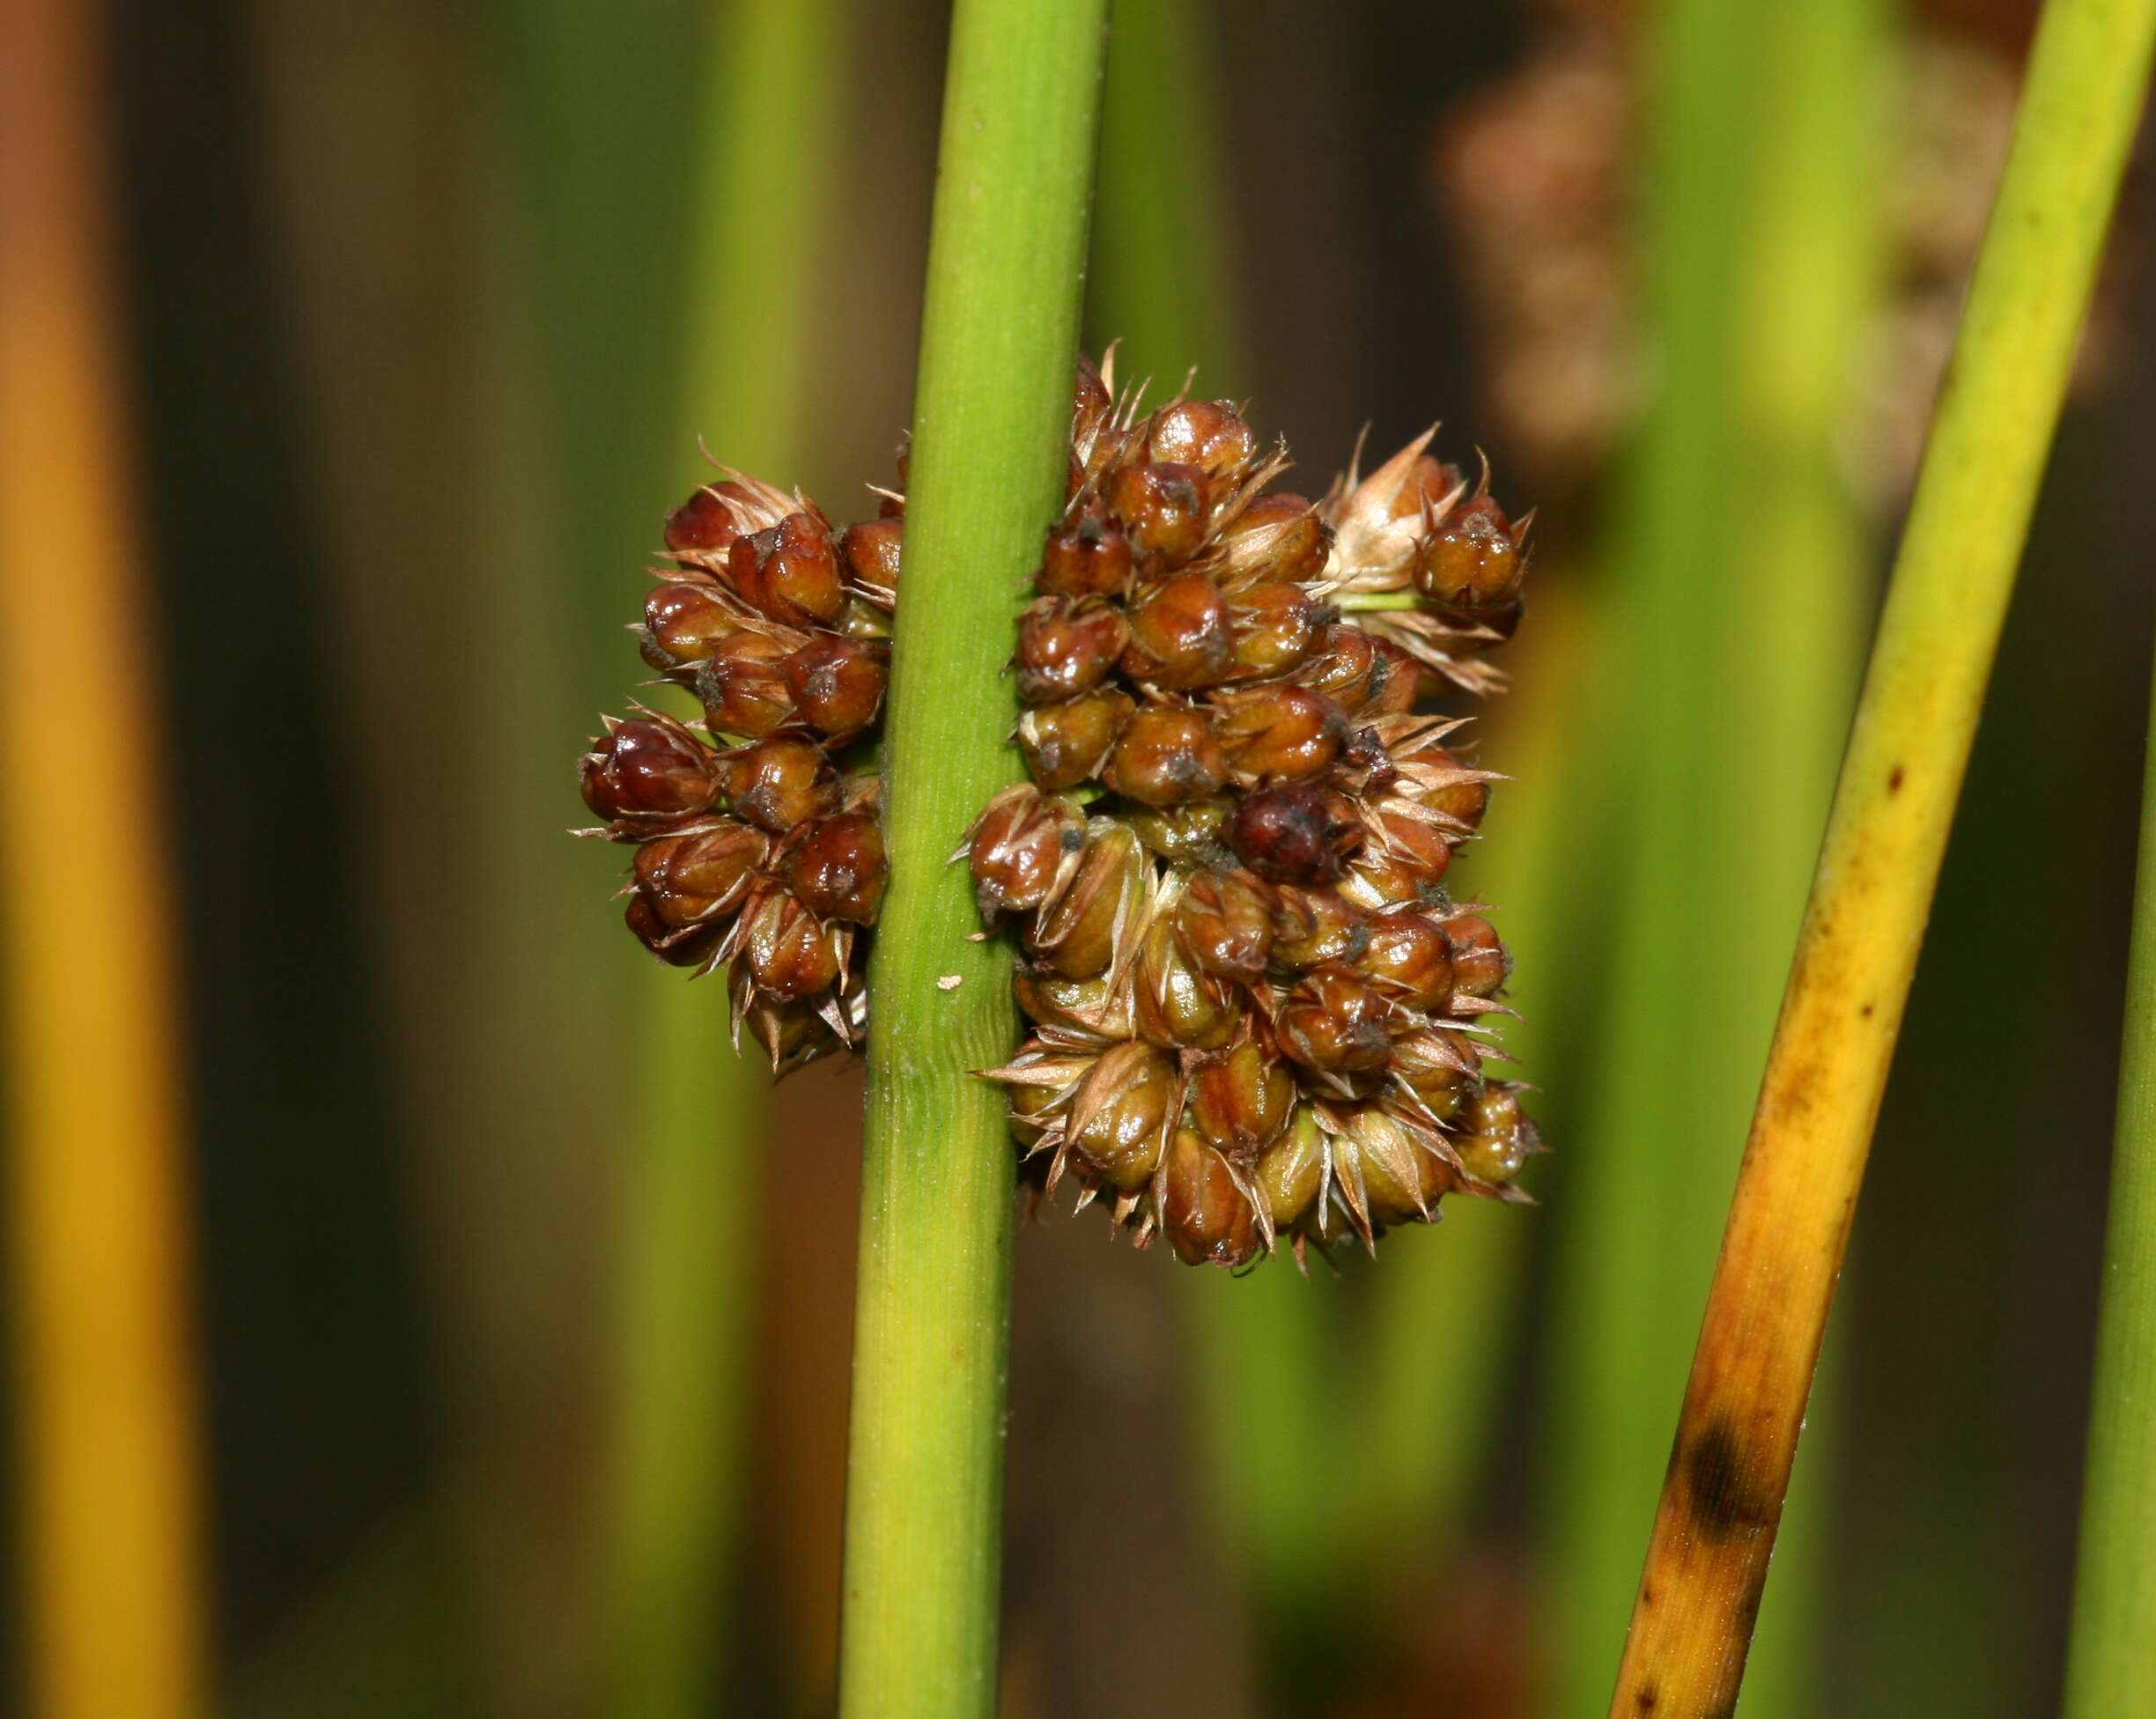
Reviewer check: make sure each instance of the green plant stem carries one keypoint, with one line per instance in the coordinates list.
(1742, 569)
(2111, 1663)
(765, 186)
(999, 336)
(1909, 748)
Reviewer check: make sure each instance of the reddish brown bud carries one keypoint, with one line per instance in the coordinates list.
(1162, 505)
(702, 876)
(1178, 1003)
(1075, 934)
(1089, 556)
(1479, 963)
(790, 571)
(1409, 959)
(1185, 834)
(1120, 1115)
(1165, 755)
(1065, 744)
(744, 687)
(778, 784)
(1294, 833)
(1276, 627)
(1180, 635)
(1313, 926)
(645, 774)
(1018, 846)
(1404, 865)
(1281, 733)
(1402, 1179)
(1224, 921)
(1497, 1138)
(1208, 1219)
(682, 947)
(838, 870)
(684, 621)
(1336, 1024)
(1241, 1100)
(1364, 676)
(1209, 434)
(870, 554)
(1441, 1067)
(1065, 648)
(1471, 561)
(789, 954)
(1463, 802)
(703, 524)
(837, 684)
(1277, 538)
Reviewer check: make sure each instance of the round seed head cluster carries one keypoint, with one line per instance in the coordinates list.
(1256, 1010)
(756, 834)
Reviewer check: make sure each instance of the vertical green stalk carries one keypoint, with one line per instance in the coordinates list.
(999, 334)
(764, 185)
(2111, 1663)
(1742, 572)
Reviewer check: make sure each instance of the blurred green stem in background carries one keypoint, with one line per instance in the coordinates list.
(2111, 1666)
(762, 187)
(918, 1628)
(1741, 574)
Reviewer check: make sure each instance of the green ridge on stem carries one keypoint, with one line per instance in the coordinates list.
(999, 336)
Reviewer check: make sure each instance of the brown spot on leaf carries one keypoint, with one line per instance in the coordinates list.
(1724, 1499)
(1894, 780)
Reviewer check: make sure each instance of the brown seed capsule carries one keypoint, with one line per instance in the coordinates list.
(1178, 1003)
(1165, 755)
(706, 875)
(837, 684)
(1162, 505)
(1208, 1219)
(1224, 921)
(1292, 1170)
(1336, 1024)
(1018, 845)
(1240, 1101)
(1462, 802)
(1471, 561)
(1277, 538)
(1403, 865)
(684, 621)
(790, 571)
(1479, 963)
(703, 524)
(869, 552)
(777, 784)
(1282, 733)
(744, 687)
(1120, 1113)
(1296, 832)
(679, 946)
(1181, 636)
(838, 870)
(1313, 926)
(1031, 1110)
(1065, 744)
(1185, 834)
(1409, 959)
(1440, 1067)
(1364, 676)
(1067, 647)
(789, 953)
(1276, 627)
(647, 774)
(1075, 935)
(1088, 556)
(1402, 1179)
(1497, 1139)
(1093, 1006)
(1209, 434)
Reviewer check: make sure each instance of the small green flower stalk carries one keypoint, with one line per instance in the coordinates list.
(1257, 1012)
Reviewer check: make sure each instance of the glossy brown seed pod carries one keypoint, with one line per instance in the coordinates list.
(1031, 1111)
(1479, 963)
(1472, 560)
(1181, 636)
(778, 784)
(839, 869)
(744, 687)
(684, 621)
(1088, 556)
(1402, 1179)
(788, 951)
(1295, 832)
(1066, 646)
(1076, 934)
(702, 876)
(1162, 505)
(1178, 1003)
(1358, 673)
(1188, 835)
(1224, 922)
(1291, 1174)
(680, 945)
(644, 774)
(1068, 743)
(870, 553)
(1409, 959)
(1277, 538)
(1121, 1112)
(1495, 1139)
(1209, 434)
(1018, 846)
(1276, 628)
(790, 571)
(1164, 757)
(1313, 926)
(1241, 1099)
(1440, 1067)
(837, 684)
(1462, 803)
(1097, 1008)
(703, 524)
(1281, 734)
(1402, 865)
(1208, 1219)
(1335, 1023)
